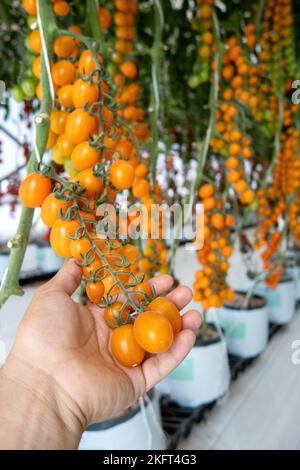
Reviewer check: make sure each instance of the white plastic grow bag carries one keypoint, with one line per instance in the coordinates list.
(281, 301)
(202, 377)
(139, 429)
(246, 330)
(294, 272)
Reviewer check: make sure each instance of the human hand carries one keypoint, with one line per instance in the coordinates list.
(66, 345)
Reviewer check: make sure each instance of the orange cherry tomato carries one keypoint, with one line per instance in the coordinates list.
(84, 93)
(60, 236)
(168, 309)
(79, 126)
(65, 96)
(95, 291)
(104, 18)
(80, 247)
(125, 348)
(61, 8)
(63, 72)
(58, 121)
(153, 332)
(64, 146)
(84, 156)
(91, 183)
(30, 6)
(64, 46)
(140, 188)
(86, 64)
(93, 269)
(121, 174)
(113, 316)
(52, 208)
(35, 41)
(129, 69)
(34, 190)
(145, 288)
(36, 67)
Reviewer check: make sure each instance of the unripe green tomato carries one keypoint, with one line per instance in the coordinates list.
(28, 86)
(112, 69)
(32, 22)
(28, 73)
(204, 76)
(29, 58)
(254, 205)
(69, 168)
(27, 45)
(17, 93)
(194, 81)
(268, 115)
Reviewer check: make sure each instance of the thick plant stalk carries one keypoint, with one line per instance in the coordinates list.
(92, 8)
(155, 71)
(18, 244)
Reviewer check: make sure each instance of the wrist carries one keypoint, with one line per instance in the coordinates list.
(35, 413)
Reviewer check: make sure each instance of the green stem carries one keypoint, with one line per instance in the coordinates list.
(156, 51)
(18, 244)
(258, 18)
(92, 12)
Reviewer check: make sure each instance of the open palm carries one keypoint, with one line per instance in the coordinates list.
(70, 343)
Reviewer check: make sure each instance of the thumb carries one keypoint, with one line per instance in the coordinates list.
(67, 279)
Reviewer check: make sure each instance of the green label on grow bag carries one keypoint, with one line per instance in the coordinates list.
(234, 330)
(184, 371)
(274, 299)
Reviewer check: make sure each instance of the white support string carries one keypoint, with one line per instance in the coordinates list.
(48, 69)
(35, 146)
(45, 53)
(146, 423)
(156, 420)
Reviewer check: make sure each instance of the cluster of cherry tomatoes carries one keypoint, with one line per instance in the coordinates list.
(210, 285)
(128, 92)
(152, 331)
(203, 23)
(96, 150)
(278, 199)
